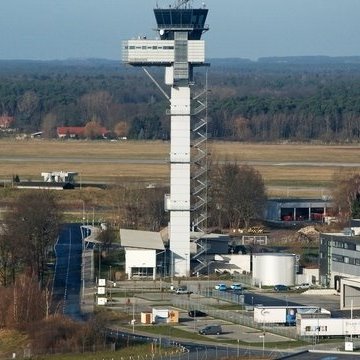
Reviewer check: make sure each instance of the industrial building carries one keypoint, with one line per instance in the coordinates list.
(59, 177)
(339, 257)
(350, 293)
(340, 264)
(288, 211)
(204, 250)
(53, 180)
(147, 255)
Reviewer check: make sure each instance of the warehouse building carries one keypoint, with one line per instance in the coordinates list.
(288, 211)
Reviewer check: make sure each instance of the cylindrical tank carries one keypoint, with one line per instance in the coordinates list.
(274, 269)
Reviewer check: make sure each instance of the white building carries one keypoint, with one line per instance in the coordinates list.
(350, 293)
(59, 176)
(141, 250)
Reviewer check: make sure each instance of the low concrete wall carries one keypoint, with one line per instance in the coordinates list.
(321, 292)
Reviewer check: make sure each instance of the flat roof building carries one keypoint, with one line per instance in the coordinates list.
(288, 211)
(59, 176)
(339, 257)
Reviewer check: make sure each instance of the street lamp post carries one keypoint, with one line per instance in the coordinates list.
(263, 344)
(99, 261)
(263, 312)
(83, 211)
(83, 268)
(133, 316)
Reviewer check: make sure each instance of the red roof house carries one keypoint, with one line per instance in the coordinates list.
(70, 131)
(77, 131)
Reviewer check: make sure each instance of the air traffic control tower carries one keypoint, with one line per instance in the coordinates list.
(179, 49)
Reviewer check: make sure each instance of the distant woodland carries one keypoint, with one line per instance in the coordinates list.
(273, 99)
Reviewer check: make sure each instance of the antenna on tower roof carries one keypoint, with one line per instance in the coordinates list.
(180, 3)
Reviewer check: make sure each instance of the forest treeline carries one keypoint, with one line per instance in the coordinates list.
(275, 99)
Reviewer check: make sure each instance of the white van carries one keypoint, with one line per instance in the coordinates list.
(303, 286)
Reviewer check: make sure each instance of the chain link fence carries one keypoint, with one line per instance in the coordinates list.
(240, 316)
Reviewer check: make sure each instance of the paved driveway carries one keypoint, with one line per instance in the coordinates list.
(67, 279)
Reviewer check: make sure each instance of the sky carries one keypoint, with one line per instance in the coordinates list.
(63, 29)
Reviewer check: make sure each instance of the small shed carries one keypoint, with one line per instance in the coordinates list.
(165, 315)
(146, 318)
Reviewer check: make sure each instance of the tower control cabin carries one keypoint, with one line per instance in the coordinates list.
(179, 49)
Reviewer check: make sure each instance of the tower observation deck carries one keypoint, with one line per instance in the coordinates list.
(179, 49)
(190, 20)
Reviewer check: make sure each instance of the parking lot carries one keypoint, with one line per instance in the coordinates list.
(230, 331)
(216, 309)
(236, 322)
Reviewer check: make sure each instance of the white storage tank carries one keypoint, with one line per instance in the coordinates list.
(273, 269)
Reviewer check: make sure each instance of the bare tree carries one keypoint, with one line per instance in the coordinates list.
(154, 213)
(96, 104)
(33, 226)
(28, 104)
(48, 125)
(107, 236)
(121, 129)
(93, 129)
(346, 194)
(22, 303)
(237, 193)
(6, 256)
(138, 207)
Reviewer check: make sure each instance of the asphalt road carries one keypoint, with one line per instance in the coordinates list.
(192, 350)
(67, 279)
(110, 160)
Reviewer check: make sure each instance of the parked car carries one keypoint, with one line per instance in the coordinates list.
(221, 287)
(211, 330)
(182, 290)
(281, 287)
(237, 287)
(303, 286)
(197, 313)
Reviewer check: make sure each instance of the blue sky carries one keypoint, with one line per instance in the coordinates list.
(61, 29)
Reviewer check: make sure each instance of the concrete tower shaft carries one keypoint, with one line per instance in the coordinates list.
(179, 50)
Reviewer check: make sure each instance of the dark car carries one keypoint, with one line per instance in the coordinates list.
(281, 288)
(211, 330)
(197, 313)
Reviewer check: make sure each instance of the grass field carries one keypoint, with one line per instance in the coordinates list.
(285, 167)
(10, 342)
